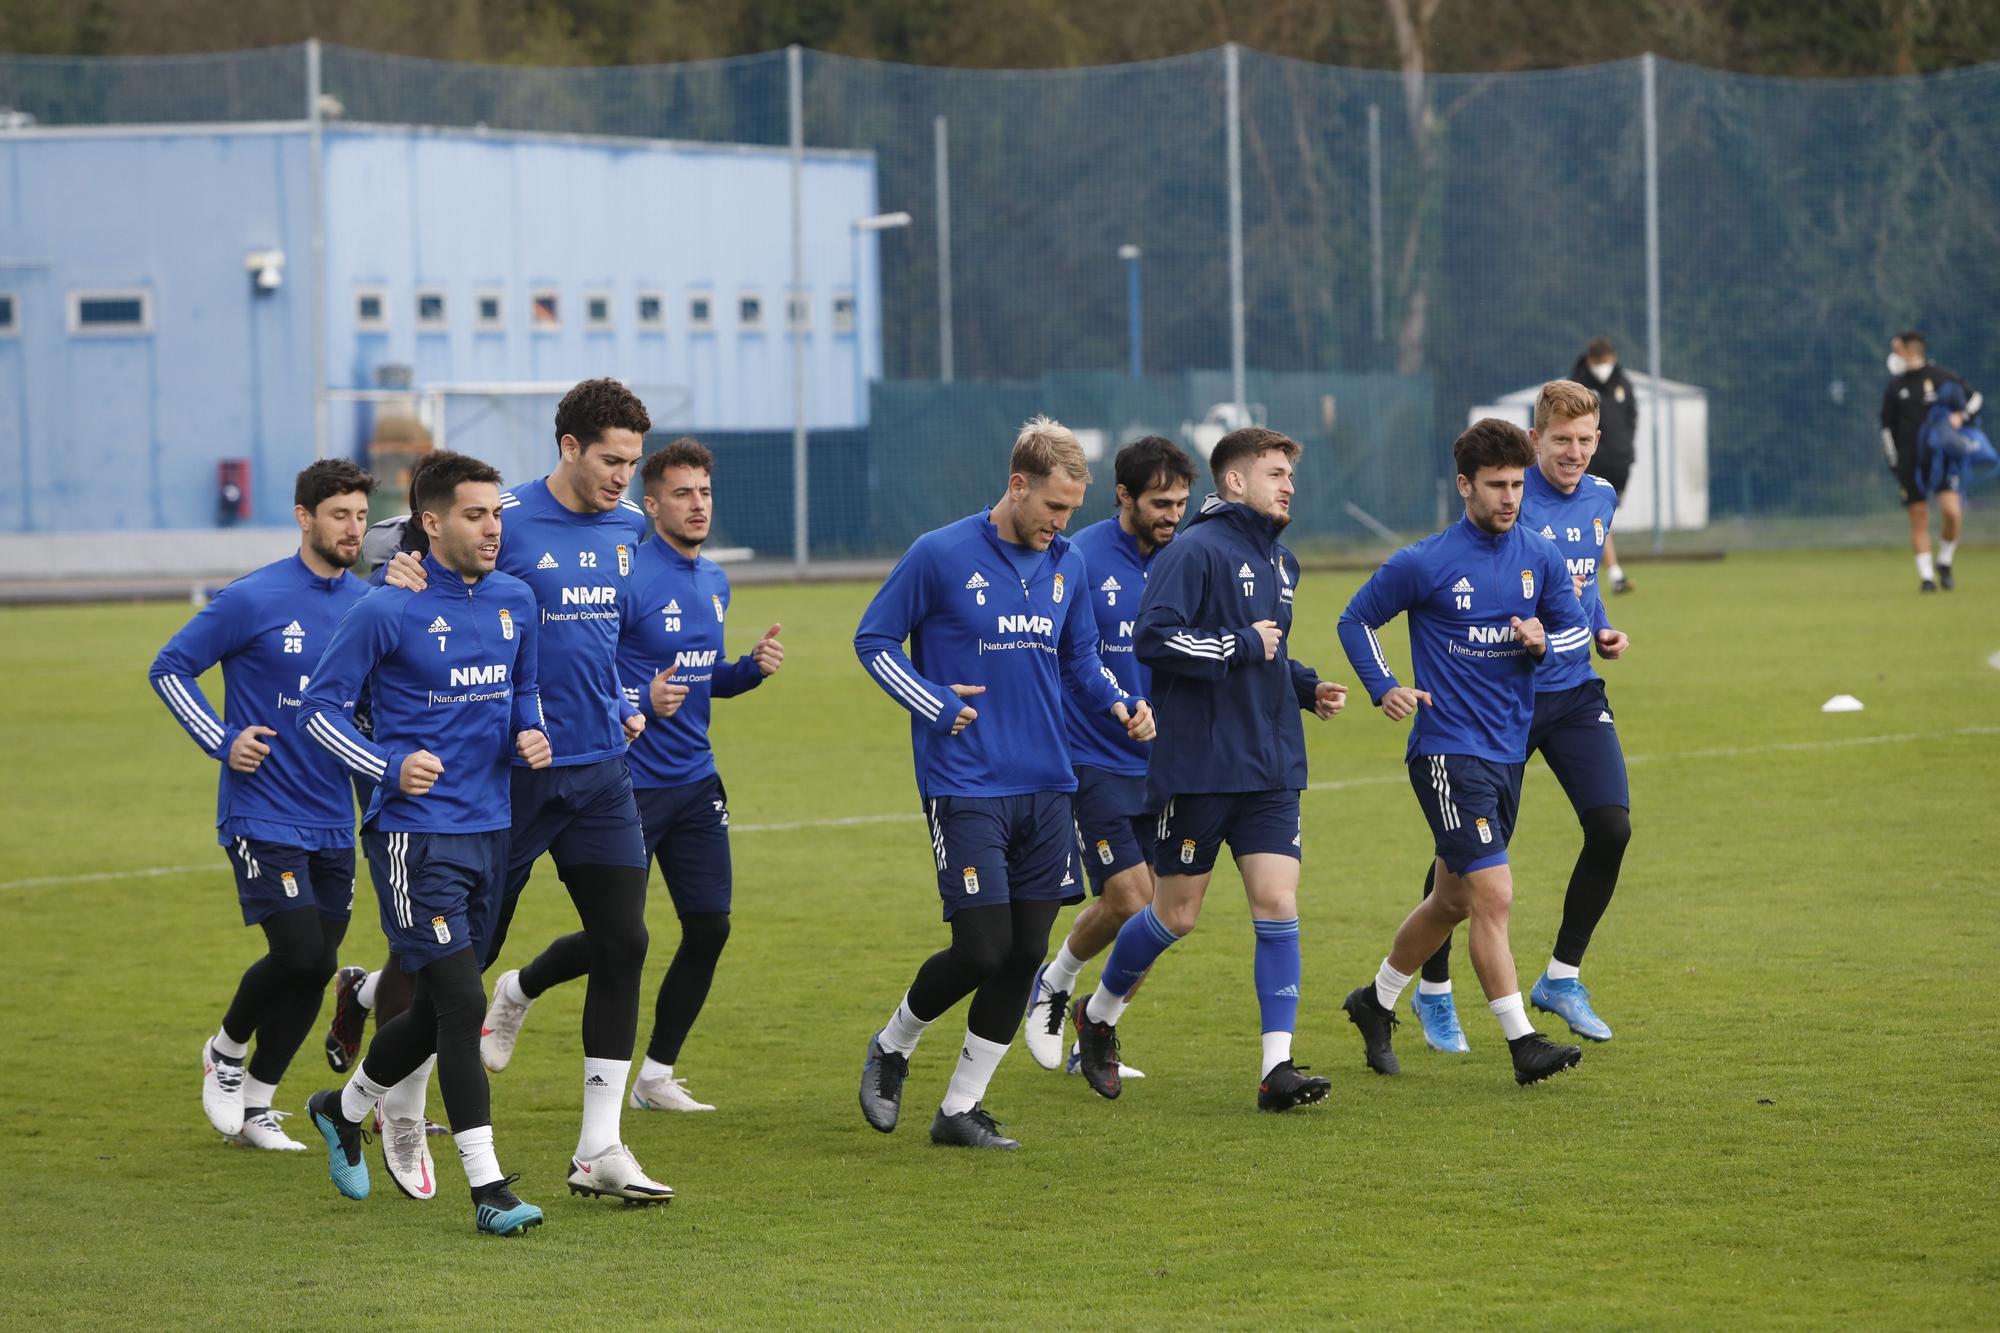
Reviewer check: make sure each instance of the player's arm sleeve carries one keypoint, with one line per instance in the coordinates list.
(528, 676)
(366, 634)
(628, 620)
(214, 633)
(1090, 682)
(1561, 610)
(1974, 400)
(1305, 685)
(1389, 591)
(1889, 424)
(899, 604)
(1166, 637)
(734, 678)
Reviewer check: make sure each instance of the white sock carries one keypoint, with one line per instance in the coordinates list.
(977, 1060)
(1513, 1017)
(358, 1098)
(1925, 569)
(1561, 971)
(364, 994)
(224, 1044)
(1617, 574)
(1105, 1007)
(259, 1094)
(475, 1153)
(902, 1031)
(651, 1070)
(1946, 550)
(1277, 1050)
(603, 1098)
(1433, 987)
(510, 986)
(1063, 970)
(406, 1100)
(1389, 984)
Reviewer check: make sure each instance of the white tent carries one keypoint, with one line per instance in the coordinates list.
(1680, 412)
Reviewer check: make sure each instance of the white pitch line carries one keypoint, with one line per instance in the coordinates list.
(1384, 780)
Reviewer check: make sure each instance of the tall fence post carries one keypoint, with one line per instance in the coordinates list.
(1375, 210)
(1649, 86)
(1232, 62)
(316, 188)
(794, 77)
(941, 153)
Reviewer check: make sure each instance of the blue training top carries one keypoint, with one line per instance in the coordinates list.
(1579, 524)
(1117, 582)
(1462, 588)
(576, 565)
(972, 620)
(267, 629)
(671, 619)
(452, 670)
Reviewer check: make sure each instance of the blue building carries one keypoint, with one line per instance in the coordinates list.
(157, 297)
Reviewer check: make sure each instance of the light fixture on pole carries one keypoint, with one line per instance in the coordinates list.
(1130, 254)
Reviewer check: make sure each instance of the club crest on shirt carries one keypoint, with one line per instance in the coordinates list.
(1597, 526)
(716, 598)
(1058, 592)
(289, 883)
(971, 881)
(1187, 851)
(624, 560)
(506, 624)
(1104, 851)
(1528, 584)
(1485, 831)
(440, 929)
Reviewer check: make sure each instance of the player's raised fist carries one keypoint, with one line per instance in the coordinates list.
(1402, 701)
(634, 725)
(1272, 636)
(1328, 700)
(1138, 722)
(533, 747)
(769, 654)
(1611, 644)
(246, 752)
(1529, 632)
(421, 771)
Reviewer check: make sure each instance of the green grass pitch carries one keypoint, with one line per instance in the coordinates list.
(1795, 1125)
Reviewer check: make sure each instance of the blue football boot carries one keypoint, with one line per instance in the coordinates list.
(498, 1213)
(1568, 1000)
(1438, 1017)
(344, 1161)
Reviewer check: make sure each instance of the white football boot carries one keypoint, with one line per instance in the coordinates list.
(616, 1174)
(502, 1026)
(221, 1092)
(406, 1147)
(1042, 1029)
(665, 1094)
(262, 1130)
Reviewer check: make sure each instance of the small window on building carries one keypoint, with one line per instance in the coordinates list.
(843, 314)
(799, 313)
(701, 314)
(430, 310)
(545, 310)
(597, 310)
(488, 311)
(652, 311)
(750, 313)
(371, 309)
(10, 319)
(111, 312)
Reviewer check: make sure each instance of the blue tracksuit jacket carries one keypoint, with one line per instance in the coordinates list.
(1117, 582)
(1578, 523)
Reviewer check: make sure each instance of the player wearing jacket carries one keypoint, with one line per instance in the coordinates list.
(451, 672)
(996, 610)
(1573, 729)
(1476, 596)
(1231, 758)
(1114, 827)
(1907, 401)
(284, 810)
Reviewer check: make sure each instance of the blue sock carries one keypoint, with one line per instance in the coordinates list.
(1278, 970)
(1140, 940)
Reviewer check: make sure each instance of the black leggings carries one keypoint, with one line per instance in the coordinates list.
(993, 956)
(684, 989)
(278, 998)
(610, 950)
(1606, 831)
(446, 1007)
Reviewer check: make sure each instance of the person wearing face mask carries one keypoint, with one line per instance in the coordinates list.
(1599, 368)
(1908, 400)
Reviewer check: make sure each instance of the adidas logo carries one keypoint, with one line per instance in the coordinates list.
(673, 607)
(439, 627)
(1550, 533)
(1292, 991)
(1604, 717)
(977, 581)
(595, 1081)
(1110, 585)
(1245, 572)
(546, 562)
(1463, 585)
(1068, 880)
(293, 630)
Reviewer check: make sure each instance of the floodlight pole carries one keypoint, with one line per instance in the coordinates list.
(940, 142)
(1649, 83)
(316, 177)
(1232, 55)
(1375, 208)
(1130, 254)
(794, 72)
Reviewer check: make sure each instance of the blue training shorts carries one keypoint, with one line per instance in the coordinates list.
(1114, 831)
(992, 850)
(687, 832)
(1471, 804)
(439, 893)
(583, 814)
(1190, 832)
(1575, 734)
(273, 878)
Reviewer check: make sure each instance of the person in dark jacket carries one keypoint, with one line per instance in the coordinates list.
(1618, 430)
(1230, 760)
(1908, 402)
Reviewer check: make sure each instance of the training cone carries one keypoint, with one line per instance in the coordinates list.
(1842, 703)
